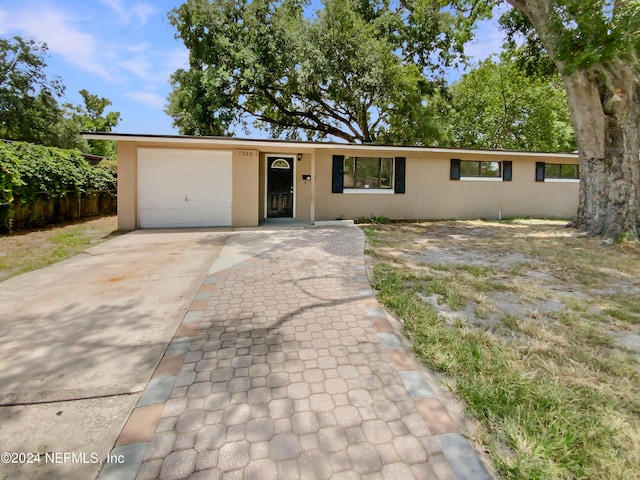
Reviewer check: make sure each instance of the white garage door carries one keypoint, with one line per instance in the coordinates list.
(184, 188)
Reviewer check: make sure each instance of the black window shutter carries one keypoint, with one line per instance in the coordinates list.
(400, 175)
(454, 173)
(507, 171)
(539, 171)
(337, 176)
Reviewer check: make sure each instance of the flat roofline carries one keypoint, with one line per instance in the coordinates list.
(306, 145)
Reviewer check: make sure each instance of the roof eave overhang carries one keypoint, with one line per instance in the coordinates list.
(308, 146)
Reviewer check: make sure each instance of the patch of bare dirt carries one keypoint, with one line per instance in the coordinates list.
(538, 271)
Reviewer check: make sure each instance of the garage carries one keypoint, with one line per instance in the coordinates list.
(184, 188)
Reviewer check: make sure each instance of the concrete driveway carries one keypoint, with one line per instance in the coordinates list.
(81, 339)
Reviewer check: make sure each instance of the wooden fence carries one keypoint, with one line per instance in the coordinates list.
(49, 210)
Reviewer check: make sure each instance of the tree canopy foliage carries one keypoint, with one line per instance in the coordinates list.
(27, 95)
(498, 105)
(91, 117)
(355, 70)
(29, 108)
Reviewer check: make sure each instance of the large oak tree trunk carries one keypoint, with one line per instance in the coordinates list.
(605, 120)
(605, 112)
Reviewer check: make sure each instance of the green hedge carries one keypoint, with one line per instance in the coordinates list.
(28, 170)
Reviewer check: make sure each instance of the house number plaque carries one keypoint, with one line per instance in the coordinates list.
(247, 153)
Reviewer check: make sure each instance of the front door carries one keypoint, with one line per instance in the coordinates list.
(279, 187)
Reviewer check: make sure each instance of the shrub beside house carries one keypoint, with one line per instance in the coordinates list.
(41, 185)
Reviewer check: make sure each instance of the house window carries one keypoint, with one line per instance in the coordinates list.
(557, 172)
(481, 170)
(561, 170)
(280, 164)
(375, 173)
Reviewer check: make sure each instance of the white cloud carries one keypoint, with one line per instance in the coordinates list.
(488, 42)
(107, 59)
(138, 66)
(489, 37)
(151, 99)
(143, 12)
(118, 8)
(154, 66)
(126, 12)
(173, 60)
(57, 31)
(141, 47)
(3, 24)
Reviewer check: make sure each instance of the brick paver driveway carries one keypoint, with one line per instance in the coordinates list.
(293, 372)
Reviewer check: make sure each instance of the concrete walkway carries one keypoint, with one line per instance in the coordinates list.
(285, 367)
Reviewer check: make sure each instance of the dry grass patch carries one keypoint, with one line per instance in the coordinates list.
(535, 326)
(26, 251)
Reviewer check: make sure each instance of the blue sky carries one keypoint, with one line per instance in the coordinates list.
(125, 50)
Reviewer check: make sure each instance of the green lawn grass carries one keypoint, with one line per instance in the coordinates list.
(26, 251)
(556, 398)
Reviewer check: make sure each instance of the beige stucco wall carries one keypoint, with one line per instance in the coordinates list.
(429, 192)
(303, 189)
(431, 195)
(245, 190)
(127, 186)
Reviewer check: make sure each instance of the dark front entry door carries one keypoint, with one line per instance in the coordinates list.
(279, 187)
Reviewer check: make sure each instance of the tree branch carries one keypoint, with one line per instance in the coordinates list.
(319, 126)
(340, 118)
